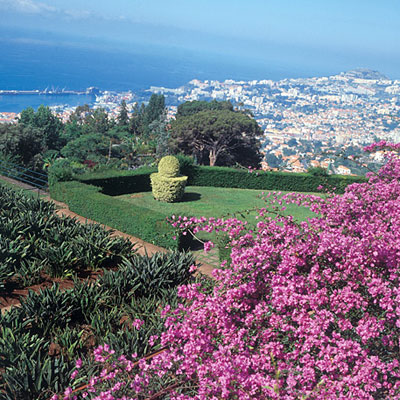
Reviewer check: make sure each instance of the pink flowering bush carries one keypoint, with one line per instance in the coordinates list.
(305, 311)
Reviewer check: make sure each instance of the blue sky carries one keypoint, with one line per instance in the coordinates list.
(319, 35)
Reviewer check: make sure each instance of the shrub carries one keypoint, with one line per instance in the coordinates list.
(285, 181)
(169, 190)
(122, 182)
(166, 184)
(318, 171)
(40, 339)
(63, 170)
(186, 164)
(147, 275)
(168, 167)
(33, 240)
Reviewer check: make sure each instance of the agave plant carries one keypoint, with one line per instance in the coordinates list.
(35, 377)
(95, 246)
(48, 309)
(160, 271)
(28, 272)
(70, 341)
(59, 261)
(11, 252)
(119, 285)
(36, 205)
(14, 346)
(88, 298)
(11, 227)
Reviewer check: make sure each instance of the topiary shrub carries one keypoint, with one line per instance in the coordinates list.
(166, 184)
(169, 167)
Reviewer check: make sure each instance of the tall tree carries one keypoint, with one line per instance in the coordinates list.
(123, 117)
(97, 121)
(218, 137)
(80, 113)
(154, 110)
(91, 120)
(160, 135)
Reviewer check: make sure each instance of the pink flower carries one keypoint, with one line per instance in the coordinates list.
(208, 246)
(193, 268)
(137, 323)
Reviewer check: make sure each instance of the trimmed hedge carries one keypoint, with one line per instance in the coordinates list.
(86, 200)
(285, 181)
(117, 183)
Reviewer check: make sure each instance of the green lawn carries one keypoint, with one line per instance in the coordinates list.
(210, 202)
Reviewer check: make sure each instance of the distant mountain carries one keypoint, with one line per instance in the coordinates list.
(363, 73)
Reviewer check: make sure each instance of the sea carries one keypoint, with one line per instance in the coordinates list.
(32, 66)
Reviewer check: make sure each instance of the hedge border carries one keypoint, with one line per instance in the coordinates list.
(114, 183)
(285, 181)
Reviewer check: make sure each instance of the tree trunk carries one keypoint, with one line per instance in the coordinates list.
(109, 152)
(213, 157)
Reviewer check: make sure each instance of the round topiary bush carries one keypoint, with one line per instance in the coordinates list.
(169, 167)
(166, 184)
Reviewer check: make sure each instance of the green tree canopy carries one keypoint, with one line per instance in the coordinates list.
(273, 161)
(25, 143)
(43, 119)
(92, 147)
(91, 120)
(142, 117)
(135, 122)
(97, 121)
(195, 106)
(318, 171)
(218, 137)
(79, 114)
